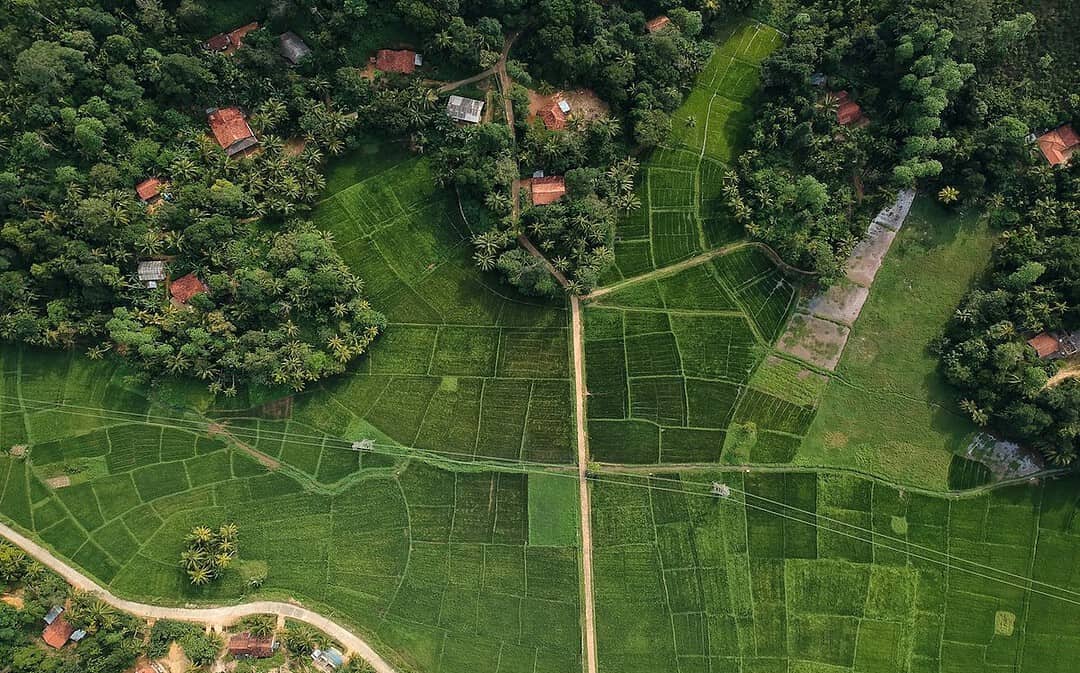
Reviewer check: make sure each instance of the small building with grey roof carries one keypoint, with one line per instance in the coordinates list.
(463, 109)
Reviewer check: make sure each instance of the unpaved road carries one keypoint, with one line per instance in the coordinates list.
(219, 616)
(583, 483)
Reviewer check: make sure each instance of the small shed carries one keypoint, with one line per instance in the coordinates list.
(547, 190)
(246, 645)
(402, 61)
(657, 24)
(1059, 145)
(292, 47)
(848, 112)
(465, 109)
(150, 190)
(329, 659)
(151, 272)
(231, 130)
(554, 117)
(53, 613)
(183, 289)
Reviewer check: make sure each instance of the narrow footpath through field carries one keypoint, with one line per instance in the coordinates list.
(215, 617)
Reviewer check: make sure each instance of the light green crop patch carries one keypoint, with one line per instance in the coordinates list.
(553, 509)
(1004, 623)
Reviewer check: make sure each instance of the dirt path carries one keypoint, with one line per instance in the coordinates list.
(672, 269)
(483, 74)
(1071, 370)
(524, 242)
(580, 393)
(217, 616)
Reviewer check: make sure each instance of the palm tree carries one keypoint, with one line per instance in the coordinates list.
(200, 576)
(201, 536)
(948, 194)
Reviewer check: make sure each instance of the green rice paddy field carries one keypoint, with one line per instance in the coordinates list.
(453, 541)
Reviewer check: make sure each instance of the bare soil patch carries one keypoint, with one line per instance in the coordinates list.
(814, 340)
(295, 146)
(584, 103)
(840, 303)
(58, 482)
(1007, 460)
(176, 661)
(869, 254)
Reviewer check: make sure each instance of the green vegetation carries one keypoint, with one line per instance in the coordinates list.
(209, 553)
(829, 573)
(553, 509)
(888, 411)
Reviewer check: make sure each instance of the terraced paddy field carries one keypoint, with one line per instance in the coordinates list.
(813, 573)
(680, 184)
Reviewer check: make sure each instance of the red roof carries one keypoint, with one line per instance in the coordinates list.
(183, 289)
(148, 190)
(553, 117)
(57, 633)
(230, 127)
(1045, 344)
(389, 60)
(659, 23)
(1058, 145)
(246, 645)
(547, 190)
(236, 37)
(847, 110)
(219, 42)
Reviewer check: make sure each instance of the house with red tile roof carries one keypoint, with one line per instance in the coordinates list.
(1059, 145)
(184, 288)
(547, 190)
(149, 190)
(848, 112)
(657, 24)
(553, 117)
(400, 60)
(231, 41)
(231, 130)
(57, 634)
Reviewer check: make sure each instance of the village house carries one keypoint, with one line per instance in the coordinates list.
(657, 24)
(1059, 145)
(292, 47)
(848, 112)
(58, 631)
(183, 289)
(328, 660)
(246, 646)
(554, 115)
(545, 190)
(229, 42)
(403, 61)
(151, 190)
(151, 272)
(465, 109)
(1052, 346)
(231, 130)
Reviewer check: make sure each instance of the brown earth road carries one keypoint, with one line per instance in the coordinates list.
(583, 484)
(216, 616)
(450, 86)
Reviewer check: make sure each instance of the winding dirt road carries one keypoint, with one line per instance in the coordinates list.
(219, 616)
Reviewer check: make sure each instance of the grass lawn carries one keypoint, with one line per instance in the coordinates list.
(888, 411)
(553, 509)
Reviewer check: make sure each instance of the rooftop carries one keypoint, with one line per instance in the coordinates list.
(1045, 344)
(151, 270)
(292, 47)
(553, 116)
(183, 289)
(246, 645)
(149, 189)
(657, 24)
(848, 111)
(547, 190)
(57, 634)
(464, 109)
(231, 130)
(1059, 145)
(401, 60)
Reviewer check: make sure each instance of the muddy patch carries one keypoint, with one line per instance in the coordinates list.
(869, 254)
(584, 104)
(58, 482)
(841, 303)
(814, 340)
(1007, 460)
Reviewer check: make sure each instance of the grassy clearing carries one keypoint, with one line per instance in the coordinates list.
(891, 413)
(719, 585)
